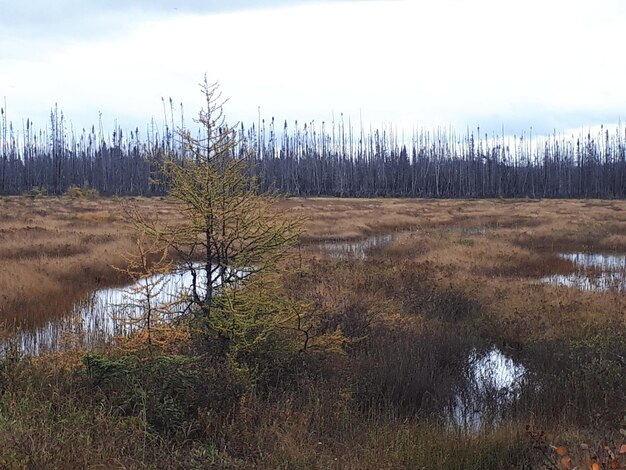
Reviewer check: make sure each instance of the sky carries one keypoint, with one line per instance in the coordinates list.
(553, 65)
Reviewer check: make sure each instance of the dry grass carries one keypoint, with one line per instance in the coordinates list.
(53, 251)
(539, 224)
(497, 250)
(457, 274)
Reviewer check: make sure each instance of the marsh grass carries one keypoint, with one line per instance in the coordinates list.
(411, 311)
(55, 251)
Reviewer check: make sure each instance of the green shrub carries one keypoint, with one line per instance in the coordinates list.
(36, 192)
(78, 192)
(168, 392)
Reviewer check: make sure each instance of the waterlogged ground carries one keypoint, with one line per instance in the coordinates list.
(484, 259)
(110, 312)
(106, 313)
(595, 272)
(491, 383)
(494, 382)
(491, 379)
(354, 249)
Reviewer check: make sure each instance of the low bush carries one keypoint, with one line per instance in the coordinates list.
(79, 192)
(169, 392)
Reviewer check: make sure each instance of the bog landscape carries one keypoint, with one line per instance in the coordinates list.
(311, 298)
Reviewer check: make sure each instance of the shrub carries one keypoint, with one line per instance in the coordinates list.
(37, 192)
(168, 392)
(78, 192)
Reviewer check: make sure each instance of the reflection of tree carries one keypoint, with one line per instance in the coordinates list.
(146, 306)
(231, 242)
(231, 231)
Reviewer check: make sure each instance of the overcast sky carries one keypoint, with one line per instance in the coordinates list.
(549, 64)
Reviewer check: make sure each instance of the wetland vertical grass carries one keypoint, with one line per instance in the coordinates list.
(412, 311)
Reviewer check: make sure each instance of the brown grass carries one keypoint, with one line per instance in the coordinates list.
(53, 251)
(457, 275)
(544, 223)
(496, 249)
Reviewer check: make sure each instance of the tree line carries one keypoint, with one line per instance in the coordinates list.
(323, 159)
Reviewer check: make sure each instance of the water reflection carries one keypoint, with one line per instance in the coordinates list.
(354, 249)
(596, 272)
(112, 312)
(493, 382)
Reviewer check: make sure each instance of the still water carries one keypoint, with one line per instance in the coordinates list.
(595, 272)
(354, 249)
(492, 379)
(111, 312)
(493, 382)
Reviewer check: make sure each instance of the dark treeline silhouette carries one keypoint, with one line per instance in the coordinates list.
(334, 159)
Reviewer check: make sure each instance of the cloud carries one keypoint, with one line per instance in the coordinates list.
(29, 26)
(539, 122)
(64, 18)
(549, 65)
